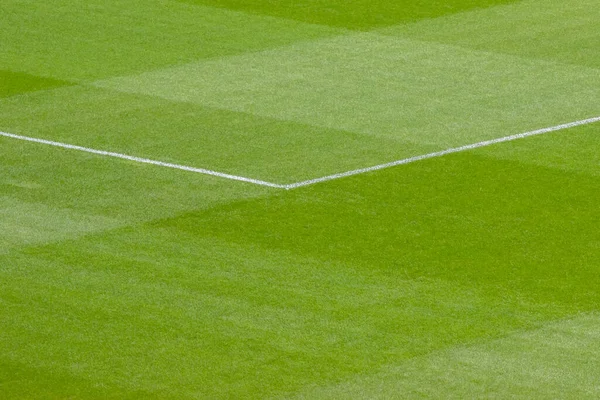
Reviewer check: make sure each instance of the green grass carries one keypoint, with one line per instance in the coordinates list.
(543, 363)
(359, 14)
(13, 83)
(466, 276)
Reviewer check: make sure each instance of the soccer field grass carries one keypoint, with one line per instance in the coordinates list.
(474, 274)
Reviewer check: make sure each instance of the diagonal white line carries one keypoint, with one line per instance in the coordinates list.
(441, 153)
(143, 160)
(310, 181)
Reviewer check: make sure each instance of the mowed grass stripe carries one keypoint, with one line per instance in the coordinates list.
(14, 83)
(74, 41)
(315, 108)
(269, 314)
(359, 14)
(208, 289)
(189, 134)
(310, 181)
(419, 134)
(576, 151)
(564, 32)
(23, 223)
(292, 295)
(83, 193)
(478, 219)
(444, 152)
(141, 160)
(553, 361)
(400, 92)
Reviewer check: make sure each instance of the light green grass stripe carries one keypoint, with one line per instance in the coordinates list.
(554, 361)
(559, 31)
(23, 223)
(404, 89)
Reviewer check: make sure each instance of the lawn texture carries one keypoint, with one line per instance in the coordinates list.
(467, 276)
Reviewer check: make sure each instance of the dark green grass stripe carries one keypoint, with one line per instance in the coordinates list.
(18, 382)
(360, 14)
(475, 220)
(13, 83)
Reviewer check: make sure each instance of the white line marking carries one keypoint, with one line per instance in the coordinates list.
(442, 153)
(143, 160)
(310, 181)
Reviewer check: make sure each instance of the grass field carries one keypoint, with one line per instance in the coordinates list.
(470, 275)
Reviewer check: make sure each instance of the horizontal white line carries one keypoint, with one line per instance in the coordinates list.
(310, 181)
(442, 153)
(143, 160)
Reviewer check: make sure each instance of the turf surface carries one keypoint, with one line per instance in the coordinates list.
(470, 275)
